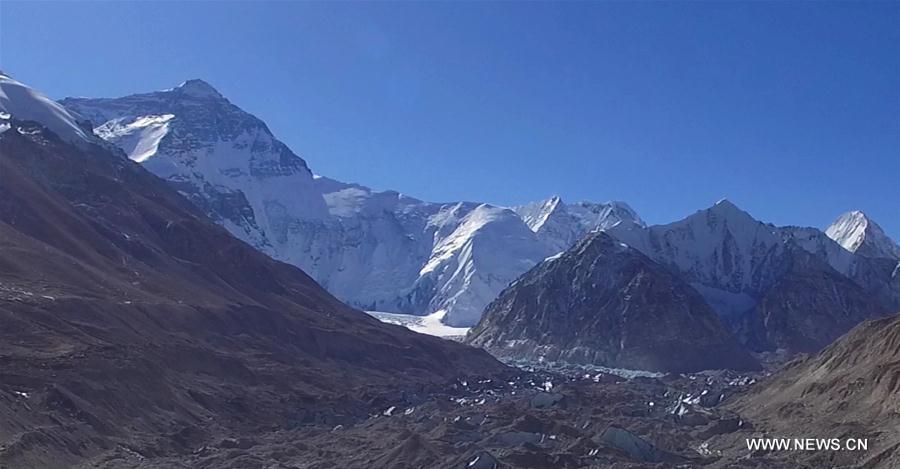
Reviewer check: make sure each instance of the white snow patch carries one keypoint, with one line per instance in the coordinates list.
(139, 138)
(430, 325)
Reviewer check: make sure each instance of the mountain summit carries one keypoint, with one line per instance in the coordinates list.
(560, 225)
(198, 89)
(858, 233)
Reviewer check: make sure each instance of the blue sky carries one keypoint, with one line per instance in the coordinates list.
(791, 110)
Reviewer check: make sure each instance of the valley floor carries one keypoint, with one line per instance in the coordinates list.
(541, 418)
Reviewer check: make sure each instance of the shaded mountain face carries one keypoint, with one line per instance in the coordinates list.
(876, 275)
(604, 303)
(375, 250)
(808, 307)
(129, 319)
(779, 288)
(848, 390)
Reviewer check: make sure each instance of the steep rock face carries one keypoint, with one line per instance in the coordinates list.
(848, 390)
(602, 302)
(857, 233)
(375, 250)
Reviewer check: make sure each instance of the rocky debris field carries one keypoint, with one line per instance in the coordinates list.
(543, 417)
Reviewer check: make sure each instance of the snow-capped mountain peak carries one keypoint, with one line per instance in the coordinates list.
(560, 225)
(21, 102)
(729, 256)
(198, 88)
(221, 157)
(858, 233)
(536, 215)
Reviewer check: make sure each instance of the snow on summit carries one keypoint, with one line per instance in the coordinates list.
(857, 233)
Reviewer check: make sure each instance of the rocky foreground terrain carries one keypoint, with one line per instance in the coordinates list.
(575, 417)
(545, 417)
(849, 390)
(548, 416)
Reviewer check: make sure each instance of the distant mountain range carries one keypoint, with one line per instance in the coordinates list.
(385, 251)
(637, 296)
(779, 287)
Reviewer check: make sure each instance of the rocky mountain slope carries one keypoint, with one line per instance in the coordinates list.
(130, 322)
(780, 288)
(604, 303)
(848, 390)
(376, 250)
(876, 275)
(808, 307)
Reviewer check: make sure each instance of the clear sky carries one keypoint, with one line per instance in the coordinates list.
(791, 110)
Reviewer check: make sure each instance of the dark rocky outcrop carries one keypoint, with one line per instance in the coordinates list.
(605, 303)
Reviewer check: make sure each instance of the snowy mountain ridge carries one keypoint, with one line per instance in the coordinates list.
(724, 252)
(380, 251)
(18, 101)
(560, 225)
(732, 259)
